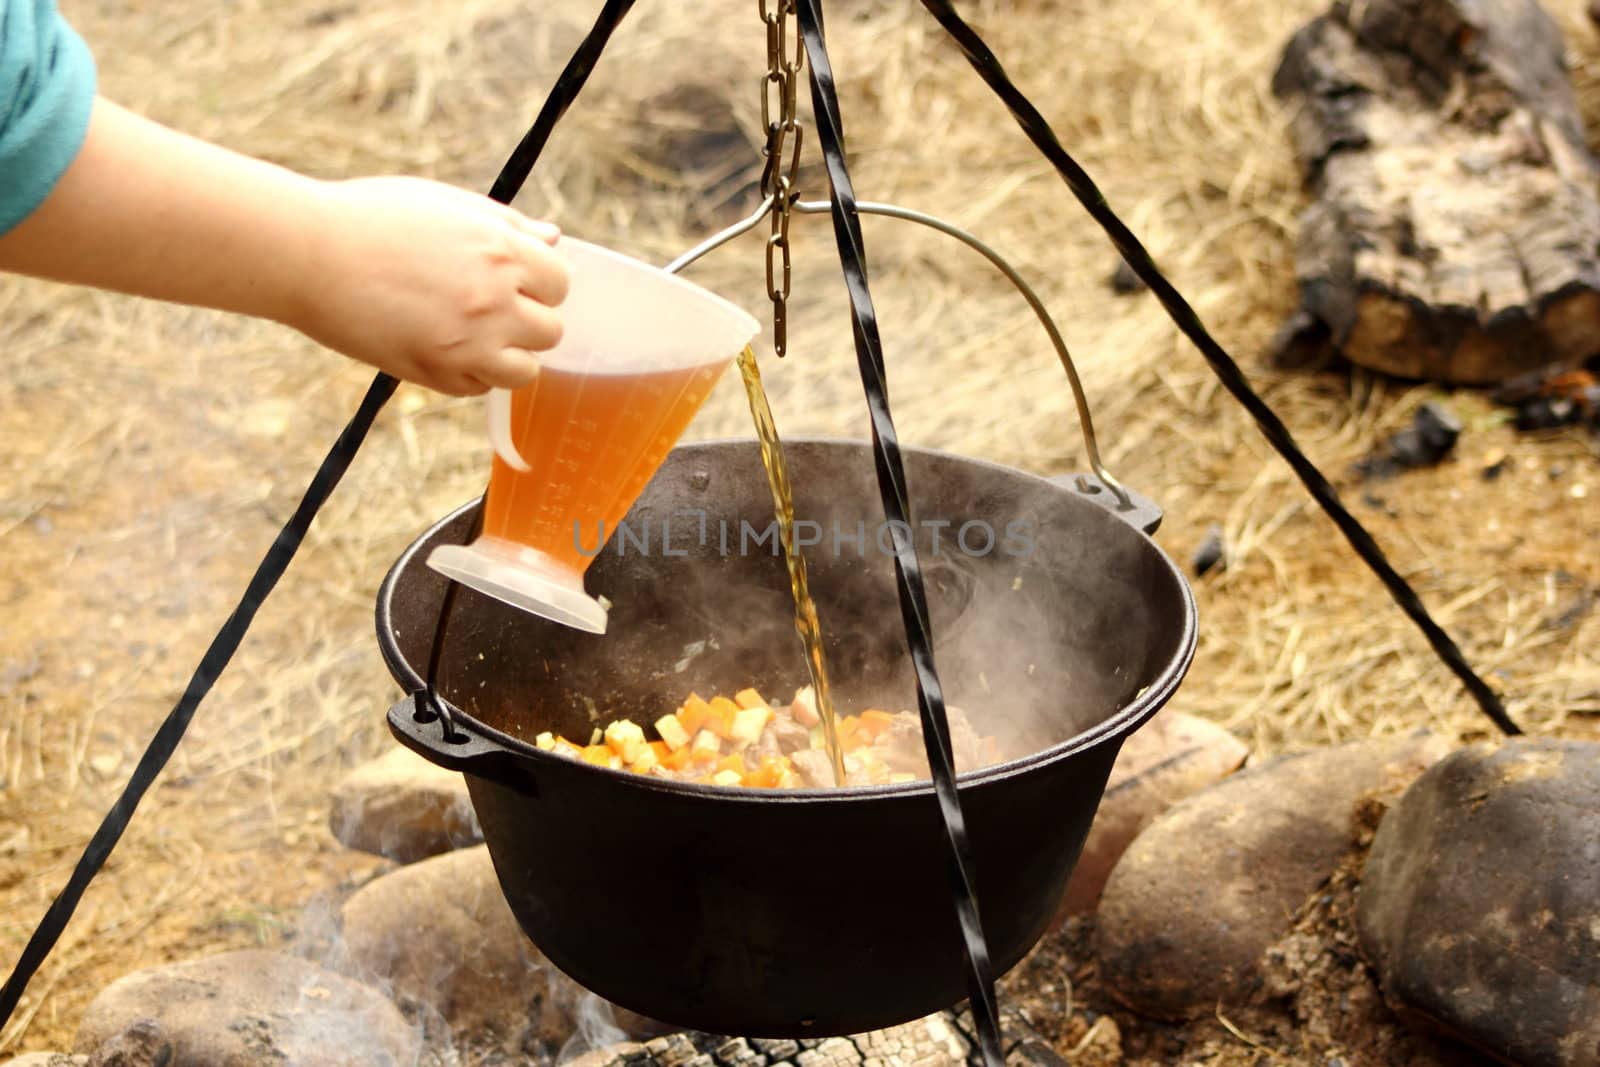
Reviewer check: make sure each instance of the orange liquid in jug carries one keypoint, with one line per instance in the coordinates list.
(592, 442)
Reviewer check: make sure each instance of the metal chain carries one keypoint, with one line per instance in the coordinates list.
(779, 88)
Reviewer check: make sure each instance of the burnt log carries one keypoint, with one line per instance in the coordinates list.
(1455, 227)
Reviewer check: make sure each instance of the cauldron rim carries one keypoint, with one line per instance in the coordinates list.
(1116, 725)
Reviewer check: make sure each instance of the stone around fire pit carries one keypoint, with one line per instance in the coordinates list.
(1203, 892)
(403, 808)
(440, 936)
(47, 1059)
(142, 1044)
(1480, 902)
(254, 1007)
(1173, 756)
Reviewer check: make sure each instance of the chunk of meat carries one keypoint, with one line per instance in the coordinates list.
(902, 750)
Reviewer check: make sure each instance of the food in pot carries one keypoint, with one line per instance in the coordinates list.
(747, 741)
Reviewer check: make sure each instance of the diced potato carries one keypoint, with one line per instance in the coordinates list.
(749, 722)
(563, 747)
(546, 740)
(626, 739)
(720, 718)
(749, 698)
(672, 732)
(693, 714)
(645, 762)
(726, 778)
(804, 708)
(898, 777)
(819, 737)
(707, 747)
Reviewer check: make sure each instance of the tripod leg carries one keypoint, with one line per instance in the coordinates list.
(1277, 434)
(566, 90)
(896, 507)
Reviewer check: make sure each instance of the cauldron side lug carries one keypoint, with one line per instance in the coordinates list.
(1143, 514)
(468, 752)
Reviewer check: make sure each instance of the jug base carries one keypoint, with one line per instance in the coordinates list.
(493, 576)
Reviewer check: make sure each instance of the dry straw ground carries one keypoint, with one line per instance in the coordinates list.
(149, 453)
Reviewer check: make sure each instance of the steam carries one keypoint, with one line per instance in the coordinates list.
(1046, 618)
(320, 940)
(596, 1028)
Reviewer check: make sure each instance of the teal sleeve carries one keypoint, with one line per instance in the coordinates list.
(47, 89)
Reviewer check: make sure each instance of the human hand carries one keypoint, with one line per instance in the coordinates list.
(430, 283)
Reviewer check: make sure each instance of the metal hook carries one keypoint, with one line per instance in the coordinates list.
(819, 207)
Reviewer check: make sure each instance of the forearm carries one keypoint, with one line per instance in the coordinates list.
(151, 212)
(425, 281)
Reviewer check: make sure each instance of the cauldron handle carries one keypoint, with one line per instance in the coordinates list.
(1103, 481)
(465, 750)
(1141, 512)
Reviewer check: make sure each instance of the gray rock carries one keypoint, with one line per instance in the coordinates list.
(403, 808)
(142, 1044)
(241, 1009)
(439, 935)
(1203, 892)
(1172, 757)
(1480, 902)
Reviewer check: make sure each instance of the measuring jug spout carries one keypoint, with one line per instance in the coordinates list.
(640, 351)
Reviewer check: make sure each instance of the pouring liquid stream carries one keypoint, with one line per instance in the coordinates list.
(805, 609)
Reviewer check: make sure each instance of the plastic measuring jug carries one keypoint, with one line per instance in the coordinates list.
(639, 354)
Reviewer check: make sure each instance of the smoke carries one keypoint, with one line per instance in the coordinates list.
(438, 938)
(596, 1028)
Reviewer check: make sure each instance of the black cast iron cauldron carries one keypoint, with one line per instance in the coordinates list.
(804, 912)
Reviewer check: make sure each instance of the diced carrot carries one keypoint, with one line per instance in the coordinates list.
(766, 776)
(734, 762)
(749, 698)
(693, 714)
(875, 722)
(646, 761)
(563, 747)
(850, 734)
(771, 774)
(725, 778)
(719, 720)
(601, 756)
(678, 760)
(660, 748)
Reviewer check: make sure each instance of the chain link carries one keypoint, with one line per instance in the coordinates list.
(779, 92)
